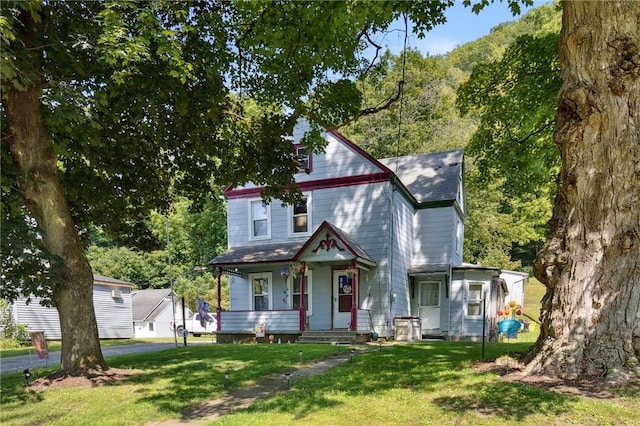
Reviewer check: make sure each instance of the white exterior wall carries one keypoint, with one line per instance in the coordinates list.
(161, 323)
(113, 315)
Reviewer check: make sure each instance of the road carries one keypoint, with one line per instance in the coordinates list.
(21, 362)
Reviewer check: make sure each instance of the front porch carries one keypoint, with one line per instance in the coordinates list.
(284, 325)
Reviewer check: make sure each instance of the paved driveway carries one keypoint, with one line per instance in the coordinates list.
(19, 363)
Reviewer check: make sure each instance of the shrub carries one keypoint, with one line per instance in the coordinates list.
(12, 334)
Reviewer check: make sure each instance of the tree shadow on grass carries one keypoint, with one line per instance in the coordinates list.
(197, 373)
(512, 401)
(430, 370)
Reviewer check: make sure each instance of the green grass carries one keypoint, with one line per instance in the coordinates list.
(429, 383)
(167, 382)
(417, 383)
(533, 292)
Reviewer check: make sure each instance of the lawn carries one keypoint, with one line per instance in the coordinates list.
(415, 383)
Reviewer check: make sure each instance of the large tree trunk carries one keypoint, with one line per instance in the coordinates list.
(591, 261)
(44, 195)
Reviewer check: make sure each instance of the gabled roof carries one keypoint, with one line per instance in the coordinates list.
(147, 304)
(350, 244)
(292, 251)
(431, 177)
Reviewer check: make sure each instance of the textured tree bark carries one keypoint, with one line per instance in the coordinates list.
(44, 196)
(591, 262)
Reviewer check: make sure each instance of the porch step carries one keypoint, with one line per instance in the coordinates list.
(336, 337)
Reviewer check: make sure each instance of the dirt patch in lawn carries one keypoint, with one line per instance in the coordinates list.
(511, 370)
(113, 375)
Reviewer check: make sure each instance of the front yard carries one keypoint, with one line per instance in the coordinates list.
(414, 383)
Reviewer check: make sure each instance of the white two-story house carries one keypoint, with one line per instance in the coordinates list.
(372, 242)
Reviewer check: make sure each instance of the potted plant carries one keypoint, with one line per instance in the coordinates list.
(351, 272)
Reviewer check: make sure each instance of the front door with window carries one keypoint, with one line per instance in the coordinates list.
(429, 305)
(342, 299)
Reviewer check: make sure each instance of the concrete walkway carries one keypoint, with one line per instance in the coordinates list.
(243, 398)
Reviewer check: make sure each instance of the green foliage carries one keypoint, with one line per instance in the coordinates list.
(429, 120)
(12, 334)
(516, 98)
(509, 197)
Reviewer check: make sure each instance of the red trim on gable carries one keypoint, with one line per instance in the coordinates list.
(324, 227)
(315, 184)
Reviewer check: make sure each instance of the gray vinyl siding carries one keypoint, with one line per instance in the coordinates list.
(240, 293)
(320, 318)
(338, 160)
(273, 321)
(113, 315)
(461, 324)
(433, 235)
(333, 204)
(37, 317)
(402, 256)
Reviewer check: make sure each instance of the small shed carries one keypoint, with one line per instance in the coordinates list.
(154, 312)
(515, 286)
(112, 305)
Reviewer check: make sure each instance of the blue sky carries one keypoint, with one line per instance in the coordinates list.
(461, 27)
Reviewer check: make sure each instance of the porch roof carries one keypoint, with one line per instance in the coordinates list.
(431, 268)
(288, 251)
(259, 253)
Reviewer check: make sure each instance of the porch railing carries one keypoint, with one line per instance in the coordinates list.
(245, 321)
(277, 320)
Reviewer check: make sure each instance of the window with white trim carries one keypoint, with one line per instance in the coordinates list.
(303, 158)
(261, 291)
(300, 223)
(459, 236)
(259, 220)
(474, 299)
(294, 291)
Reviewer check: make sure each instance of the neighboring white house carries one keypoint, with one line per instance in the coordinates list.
(112, 305)
(378, 241)
(154, 312)
(515, 281)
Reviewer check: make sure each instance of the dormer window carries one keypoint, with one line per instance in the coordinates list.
(303, 158)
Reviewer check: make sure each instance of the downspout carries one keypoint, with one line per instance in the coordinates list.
(354, 296)
(390, 274)
(449, 281)
(219, 306)
(303, 309)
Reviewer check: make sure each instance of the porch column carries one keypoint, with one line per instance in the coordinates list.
(354, 297)
(219, 306)
(303, 308)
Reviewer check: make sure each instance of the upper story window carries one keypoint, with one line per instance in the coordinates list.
(301, 217)
(260, 220)
(459, 236)
(303, 158)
